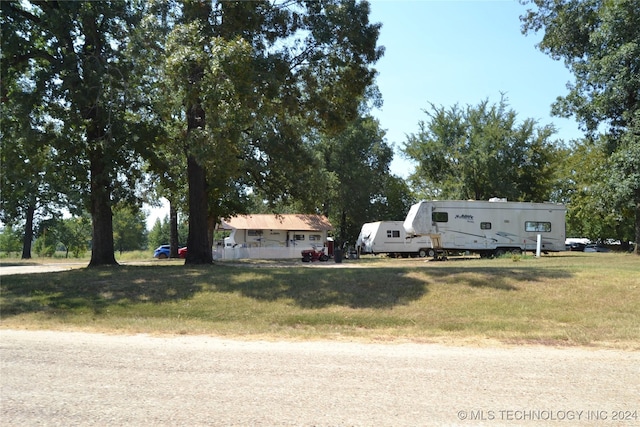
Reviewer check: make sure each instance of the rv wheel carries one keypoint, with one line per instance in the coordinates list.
(500, 252)
(431, 253)
(422, 253)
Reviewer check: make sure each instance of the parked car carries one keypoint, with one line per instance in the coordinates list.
(162, 252)
(576, 246)
(596, 248)
(182, 252)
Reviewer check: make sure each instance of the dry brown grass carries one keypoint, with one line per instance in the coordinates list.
(565, 299)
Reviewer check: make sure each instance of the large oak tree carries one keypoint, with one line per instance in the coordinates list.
(254, 81)
(78, 50)
(599, 41)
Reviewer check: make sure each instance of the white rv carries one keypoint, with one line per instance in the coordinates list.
(489, 228)
(390, 237)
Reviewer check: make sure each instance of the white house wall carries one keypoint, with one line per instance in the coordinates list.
(271, 244)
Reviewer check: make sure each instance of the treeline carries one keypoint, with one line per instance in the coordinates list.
(71, 237)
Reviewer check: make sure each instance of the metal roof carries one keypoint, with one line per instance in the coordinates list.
(299, 222)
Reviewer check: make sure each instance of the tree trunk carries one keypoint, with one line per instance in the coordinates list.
(102, 248)
(198, 248)
(343, 227)
(199, 251)
(28, 233)
(173, 225)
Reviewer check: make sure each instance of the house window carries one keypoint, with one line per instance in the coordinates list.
(440, 217)
(314, 237)
(485, 226)
(534, 226)
(298, 237)
(254, 233)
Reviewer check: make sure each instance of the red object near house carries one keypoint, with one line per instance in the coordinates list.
(310, 255)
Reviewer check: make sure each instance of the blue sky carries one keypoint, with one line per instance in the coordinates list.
(448, 52)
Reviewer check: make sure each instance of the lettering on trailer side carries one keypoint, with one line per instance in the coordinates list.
(467, 217)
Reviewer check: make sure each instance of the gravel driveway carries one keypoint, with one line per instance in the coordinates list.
(38, 268)
(69, 378)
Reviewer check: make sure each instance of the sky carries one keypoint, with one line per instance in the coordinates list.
(451, 52)
(461, 52)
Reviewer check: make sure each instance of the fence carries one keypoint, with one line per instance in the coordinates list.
(259, 252)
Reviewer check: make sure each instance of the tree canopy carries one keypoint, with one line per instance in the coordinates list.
(479, 152)
(362, 190)
(252, 82)
(239, 89)
(75, 54)
(599, 41)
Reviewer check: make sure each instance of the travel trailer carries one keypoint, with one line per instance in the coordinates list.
(488, 228)
(389, 237)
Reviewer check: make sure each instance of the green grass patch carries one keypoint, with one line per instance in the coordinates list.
(568, 299)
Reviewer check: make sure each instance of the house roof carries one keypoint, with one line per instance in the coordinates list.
(299, 222)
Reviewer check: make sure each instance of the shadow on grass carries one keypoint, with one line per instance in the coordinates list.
(318, 288)
(496, 277)
(313, 288)
(99, 289)
(94, 289)
(376, 287)
(17, 263)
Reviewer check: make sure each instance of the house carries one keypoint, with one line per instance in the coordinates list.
(293, 232)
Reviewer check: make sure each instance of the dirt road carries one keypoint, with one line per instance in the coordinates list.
(31, 269)
(63, 378)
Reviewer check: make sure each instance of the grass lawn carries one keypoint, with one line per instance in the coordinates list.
(588, 299)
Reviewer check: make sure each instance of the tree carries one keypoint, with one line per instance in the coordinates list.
(29, 179)
(583, 169)
(588, 190)
(599, 41)
(9, 239)
(46, 242)
(166, 163)
(74, 234)
(253, 79)
(78, 48)
(363, 189)
(129, 229)
(32, 184)
(160, 233)
(482, 152)
(394, 201)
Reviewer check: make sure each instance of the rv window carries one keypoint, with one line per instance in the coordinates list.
(393, 233)
(537, 226)
(485, 226)
(440, 217)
